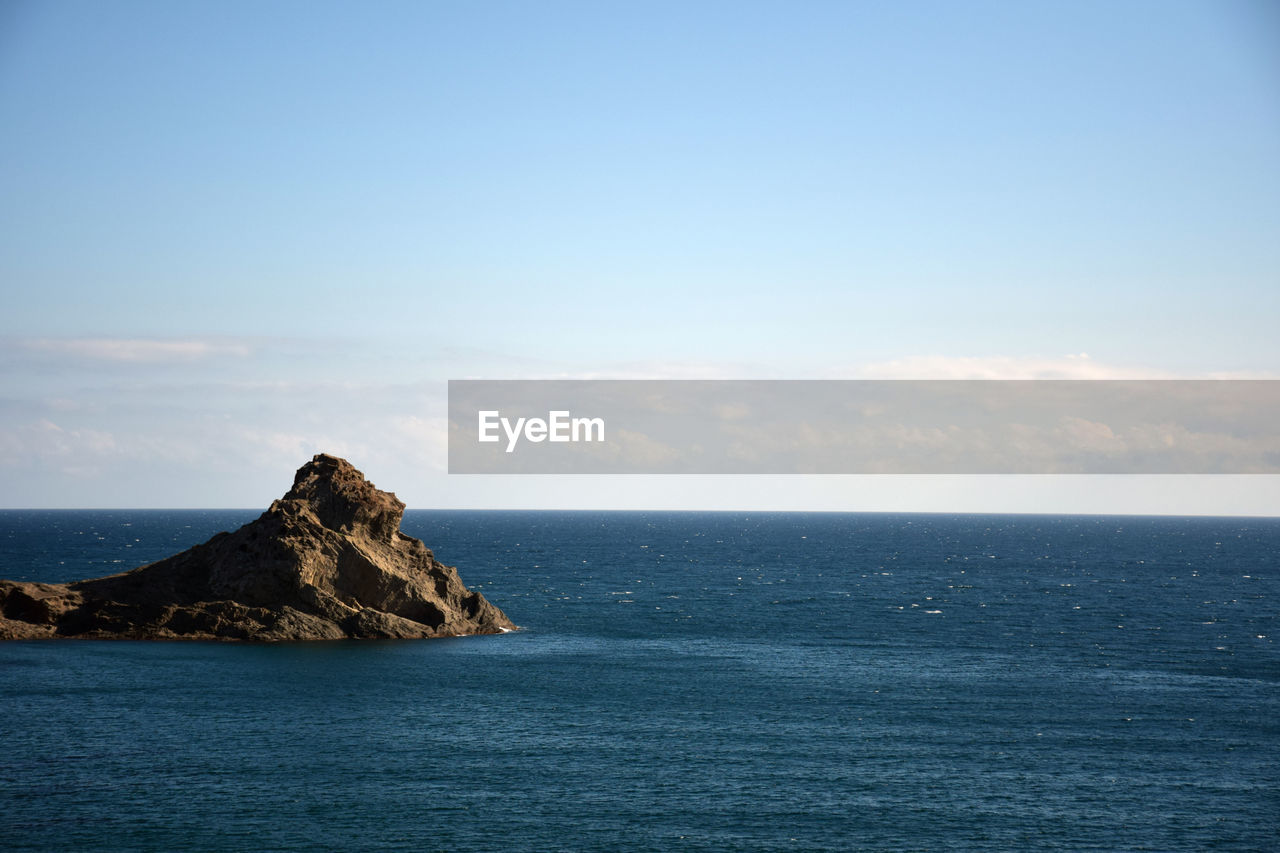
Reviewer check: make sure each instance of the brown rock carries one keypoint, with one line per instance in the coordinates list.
(326, 561)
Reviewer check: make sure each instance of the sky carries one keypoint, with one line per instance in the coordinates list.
(234, 234)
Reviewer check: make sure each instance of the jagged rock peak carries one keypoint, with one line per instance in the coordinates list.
(342, 499)
(326, 561)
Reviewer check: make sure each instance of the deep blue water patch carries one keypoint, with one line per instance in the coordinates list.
(698, 681)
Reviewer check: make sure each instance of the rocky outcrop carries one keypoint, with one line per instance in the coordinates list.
(325, 562)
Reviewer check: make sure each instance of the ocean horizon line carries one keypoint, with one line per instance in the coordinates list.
(670, 511)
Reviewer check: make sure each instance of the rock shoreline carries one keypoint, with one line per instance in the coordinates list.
(325, 562)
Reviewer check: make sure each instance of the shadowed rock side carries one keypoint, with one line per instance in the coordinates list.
(325, 562)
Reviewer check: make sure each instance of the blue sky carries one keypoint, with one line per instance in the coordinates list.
(234, 234)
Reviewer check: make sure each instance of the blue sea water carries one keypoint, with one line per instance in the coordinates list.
(683, 681)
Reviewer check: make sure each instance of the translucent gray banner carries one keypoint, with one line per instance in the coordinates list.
(864, 427)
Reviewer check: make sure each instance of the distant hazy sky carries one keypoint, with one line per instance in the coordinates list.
(233, 234)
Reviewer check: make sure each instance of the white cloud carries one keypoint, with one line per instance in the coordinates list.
(72, 450)
(1070, 366)
(1093, 436)
(635, 450)
(139, 350)
(652, 370)
(1073, 366)
(422, 442)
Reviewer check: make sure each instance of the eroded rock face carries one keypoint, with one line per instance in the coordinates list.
(326, 561)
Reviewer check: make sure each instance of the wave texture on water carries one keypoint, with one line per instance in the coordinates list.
(699, 681)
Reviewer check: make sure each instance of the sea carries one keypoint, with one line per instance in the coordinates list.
(683, 681)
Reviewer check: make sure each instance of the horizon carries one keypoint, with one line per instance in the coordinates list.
(945, 513)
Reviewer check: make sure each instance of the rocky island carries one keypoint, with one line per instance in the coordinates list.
(325, 562)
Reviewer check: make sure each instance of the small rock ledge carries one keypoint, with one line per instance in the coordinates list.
(327, 561)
